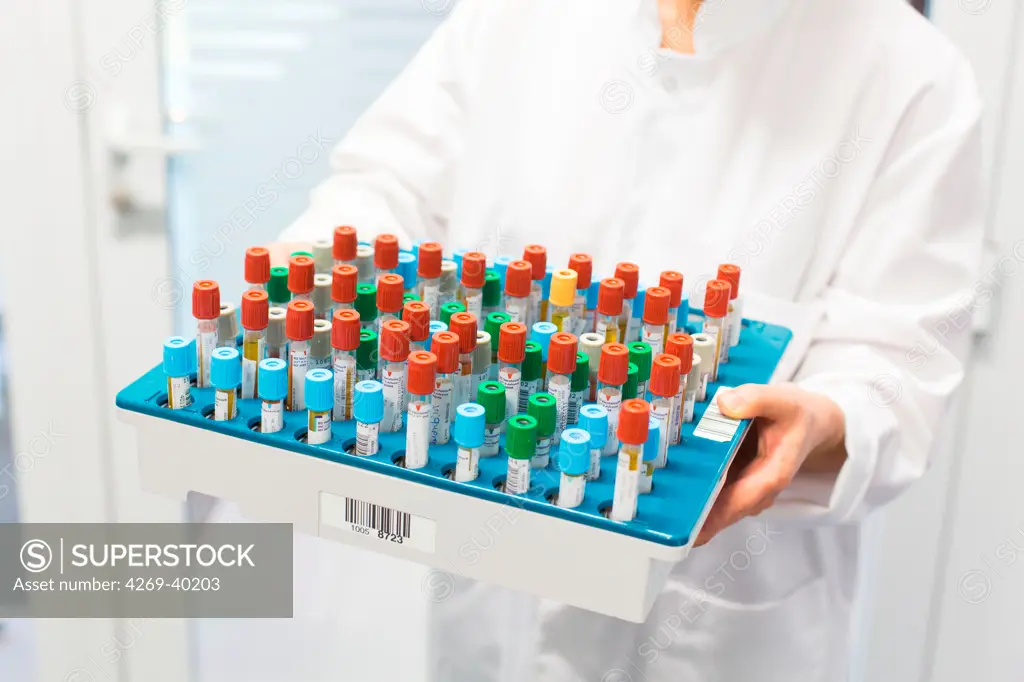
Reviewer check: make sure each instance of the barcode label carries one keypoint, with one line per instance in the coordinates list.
(714, 425)
(376, 521)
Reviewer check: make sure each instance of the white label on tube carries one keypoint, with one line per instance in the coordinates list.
(367, 439)
(516, 310)
(393, 382)
(432, 299)
(517, 481)
(510, 377)
(463, 381)
(467, 465)
(575, 403)
(570, 490)
(417, 435)
(702, 386)
(646, 480)
(653, 336)
(367, 374)
(179, 392)
(726, 334)
(611, 399)
(271, 417)
(441, 410)
(560, 388)
(319, 428)
(688, 405)
(579, 315)
(714, 425)
(320, 362)
(542, 454)
(627, 482)
(533, 304)
(663, 413)
(344, 387)
(206, 343)
(382, 524)
(475, 304)
(602, 330)
(492, 434)
(223, 406)
(298, 361)
(595, 464)
(476, 379)
(736, 324)
(250, 367)
(713, 329)
(676, 418)
(526, 389)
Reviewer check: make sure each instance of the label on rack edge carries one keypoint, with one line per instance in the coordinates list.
(385, 524)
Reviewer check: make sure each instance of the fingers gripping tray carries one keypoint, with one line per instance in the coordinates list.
(525, 542)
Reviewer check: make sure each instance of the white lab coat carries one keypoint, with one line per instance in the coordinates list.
(831, 149)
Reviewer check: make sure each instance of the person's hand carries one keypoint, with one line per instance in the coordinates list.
(793, 429)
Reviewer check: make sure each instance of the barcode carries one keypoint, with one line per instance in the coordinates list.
(390, 521)
(714, 425)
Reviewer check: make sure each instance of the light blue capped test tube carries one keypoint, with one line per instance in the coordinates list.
(649, 455)
(594, 420)
(636, 322)
(226, 377)
(470, 421)
(574, 463)
(368, 412)
(683, 318)
(501, 266)
(320, 403)
(435, 327)
(407, 269)
(179, 365)
(595, 287)
(272, 387)
(457, 255)
(541, 332)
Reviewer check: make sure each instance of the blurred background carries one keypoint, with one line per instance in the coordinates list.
(146, 144)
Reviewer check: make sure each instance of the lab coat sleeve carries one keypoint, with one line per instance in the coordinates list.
(393, 171)
(891, 347)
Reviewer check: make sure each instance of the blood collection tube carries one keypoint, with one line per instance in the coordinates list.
(531, 378)
(656, 316)
(592, 294)
(367, 357)
(368, 411)
(730, 273)
(469, 436)
(385, 255)
(545, 295)
(226, 375)
(464, 324)
(206, 310)
(417, 314)
(492, 325)
(301, 274)
(665, 386)
(580, 386)
(517, 291)
(394, 356)
(583, 266)
(511, 352)
(563, 298)
(542, 408)
(449, 290)
(590, 344)
(344, 345)
(255, 319)
(681, 346)
(612, 374)
(273, 388)
(537, 256)
(492, 292)
(407, 271)
(322, 303)
(323, 256)
(594, 420)
(319, 393)
(541, 333)
(673, 281)
(632, 380)
(574, 463)
(501, 267)
(389, 299)
(277, 287)
(344, 246)
(428, 271)
(474, 274)
(450, 308)
(344, 280)
(629, 274)
(299, 328)
(320, 345)
(445, 345)
(716, 320)
(610, 309)
(631, 431)
(561, 366)
(227, 325)
(435, 327)
(683, 320)
(704, 348)
(257, 268)
(277, 339)
(179, 361)
(422, 372)
(491, 395)
(521, 444)
(366, 305)
(641, 354)
(650, 454)
(364, 263)
(481, 361)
